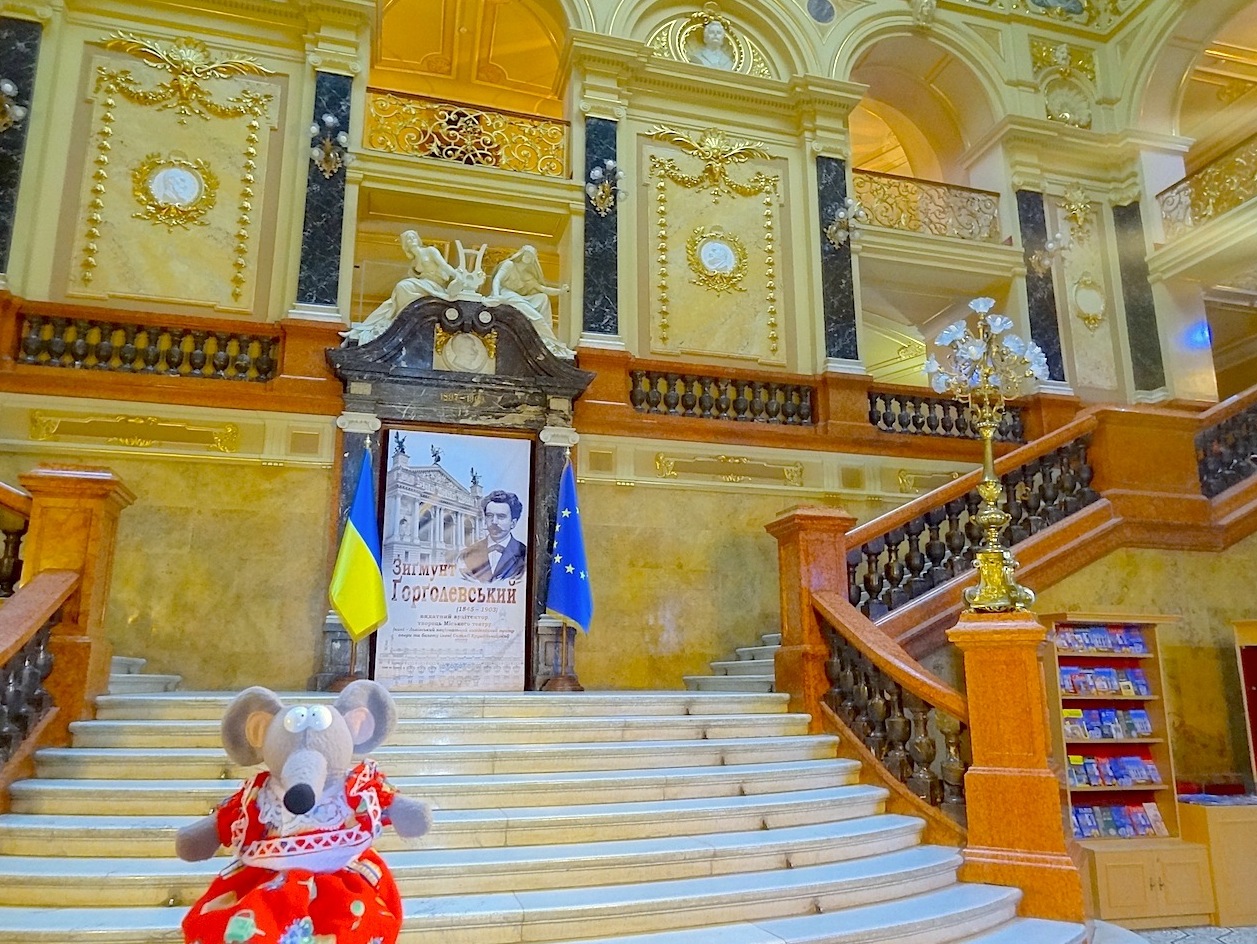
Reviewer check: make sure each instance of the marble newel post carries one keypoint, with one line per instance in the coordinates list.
(811, 556)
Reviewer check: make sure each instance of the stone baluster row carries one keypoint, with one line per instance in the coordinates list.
(23, 698)
(1226, 454)
(898, 727)
(721, 398)
(127, 348)
(937, 546)
(935, 416)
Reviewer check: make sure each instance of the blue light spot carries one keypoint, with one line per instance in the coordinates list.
(1199, 336)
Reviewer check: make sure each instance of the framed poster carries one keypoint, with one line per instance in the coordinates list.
(455, 554)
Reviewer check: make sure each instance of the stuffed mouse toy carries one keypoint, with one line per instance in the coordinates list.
(304, 871)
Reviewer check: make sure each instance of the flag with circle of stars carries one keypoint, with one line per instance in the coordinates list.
(569, 597)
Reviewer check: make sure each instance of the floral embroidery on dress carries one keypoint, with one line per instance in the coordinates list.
(299, 932)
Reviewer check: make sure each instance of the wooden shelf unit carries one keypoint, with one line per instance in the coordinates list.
(1138, 881)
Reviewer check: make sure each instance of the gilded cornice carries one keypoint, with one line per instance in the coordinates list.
(1099, 21)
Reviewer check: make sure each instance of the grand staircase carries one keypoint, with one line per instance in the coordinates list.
(658, 818)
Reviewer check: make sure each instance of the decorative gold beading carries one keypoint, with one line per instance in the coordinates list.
(1219, 186)
(923, 206)
(732, 469)
(173, 191)
(137, 432)
(190, 64)
(717, 259)
(717, 153)
(451, 131)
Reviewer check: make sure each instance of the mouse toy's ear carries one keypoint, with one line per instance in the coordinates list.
(245, 723)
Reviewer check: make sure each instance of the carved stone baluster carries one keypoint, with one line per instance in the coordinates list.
(922, 750)
(151, 350)
(742, 401)
(952, 769)
(949, 420)
(1018, 431)
(637, 390)
(221, 358)
(888, 413)
(129, 351)
(671, 395)
(1087, 494)
(267, 359)
(1016, 529)
(32, 340)
(935, 549)
(846, 709)
(757, 401)
(724, 400)
(915, 562)
(689, 399)
(1051, 491)
(898, 730)
(873, 579)
(875, 409)
(932, 421)
(973, 533)
(903, 416)
(962, 421)
(1070, 501)
(174, 353)
(772, 405)
(243, 361)
(805, 405)
(860, 694)
(893, 594)
(10, 560)
(10, 731)
(104, 347)
(855, 593)
(653, 396)
(705, 400)
(80, 347)
(955, 538)
(875, 713)
(57, 343)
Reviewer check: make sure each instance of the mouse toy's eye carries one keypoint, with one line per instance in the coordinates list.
(296, 720)
(320, 718)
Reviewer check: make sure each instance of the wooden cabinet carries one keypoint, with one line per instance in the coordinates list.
(1111, 743)
(1229, 833)
(1149, 883)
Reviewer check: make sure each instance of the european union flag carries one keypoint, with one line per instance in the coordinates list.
(569, 597)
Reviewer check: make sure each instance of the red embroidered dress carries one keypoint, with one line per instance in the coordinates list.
(301, 879)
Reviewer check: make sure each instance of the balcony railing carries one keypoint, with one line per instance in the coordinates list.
(1221, 185)
(924, 206)
(465, 134)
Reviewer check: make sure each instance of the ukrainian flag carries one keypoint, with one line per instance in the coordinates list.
(357, 589)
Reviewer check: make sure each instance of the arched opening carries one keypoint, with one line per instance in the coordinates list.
(501, 54)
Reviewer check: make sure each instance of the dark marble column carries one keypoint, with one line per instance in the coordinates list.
(1045, 329)
(1141, 315)
(325, 202)
(19, 54)
(601, 304)
(837, 279)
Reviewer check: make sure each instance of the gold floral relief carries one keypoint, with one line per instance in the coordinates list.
(136, 432)
(173, 190)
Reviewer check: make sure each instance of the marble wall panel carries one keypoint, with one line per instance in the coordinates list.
(1141, 314)
(221, 568)
(601, 305)
(19, 53)
(1198, 654)
(1045, 329)
(319, 275)
(837, 281)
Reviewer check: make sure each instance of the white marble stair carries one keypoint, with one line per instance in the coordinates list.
(750, 670)
(127, 676)
(620, 818)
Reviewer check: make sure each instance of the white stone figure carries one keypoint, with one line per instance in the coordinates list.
(518, 282)
(923, 11)
(714, 50)
(430, 276)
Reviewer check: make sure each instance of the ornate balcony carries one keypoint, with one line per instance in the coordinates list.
(465, 134)
(1221, 185)
(924, 206)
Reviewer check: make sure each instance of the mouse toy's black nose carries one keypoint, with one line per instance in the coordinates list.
(299, 799)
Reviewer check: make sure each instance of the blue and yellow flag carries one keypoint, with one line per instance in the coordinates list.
(569, 596)
(357, 589)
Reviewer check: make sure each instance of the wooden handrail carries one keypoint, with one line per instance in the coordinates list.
(31, 607)
(15, 500)
(890, 657)
(958, 488)
(1232, 406)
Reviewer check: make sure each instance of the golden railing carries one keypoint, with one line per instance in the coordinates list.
(924, 206)
(1221, 185)
(453, 131)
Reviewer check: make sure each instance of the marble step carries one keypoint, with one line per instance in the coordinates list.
(135, 682)
(454, 731)
(192, 797)
(558, 915)
(730, 683)
(103, 835)
(126, 665)
(191, 706)
(72, 763)
(132, 882)
(1033, 931)
(743, 667)
(771, 639)
(938, 917)
(757, 653)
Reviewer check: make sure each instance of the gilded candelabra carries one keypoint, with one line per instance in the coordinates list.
(329, 153)
(11, 113)
(985, 369)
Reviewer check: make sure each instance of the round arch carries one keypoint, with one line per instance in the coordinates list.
(780, 35)
(945, 88)
(1170, 45)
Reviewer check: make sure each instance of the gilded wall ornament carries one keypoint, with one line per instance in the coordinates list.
(11, 113)
(190, 64)
(708, 38)
(717, 153)
(717, 259)
(1068, 102)
(173, 191)
(1080, 210)
(1089, 303)
(1062, 59)
(136, 432)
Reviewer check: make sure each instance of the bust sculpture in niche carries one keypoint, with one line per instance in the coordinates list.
(714, 49)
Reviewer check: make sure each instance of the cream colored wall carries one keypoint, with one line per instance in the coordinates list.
(1209, 591)
(222, 561)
